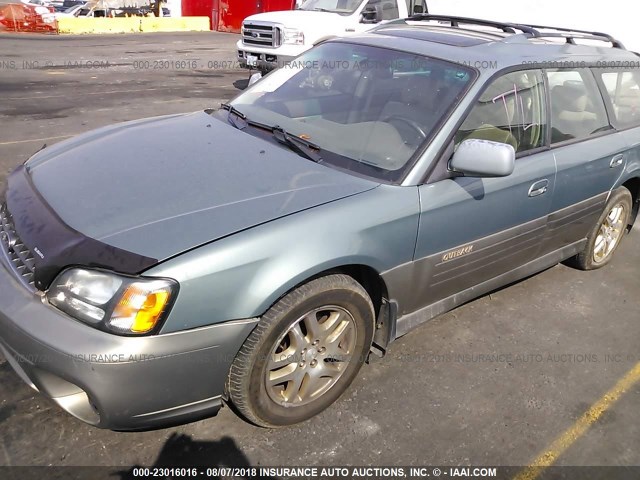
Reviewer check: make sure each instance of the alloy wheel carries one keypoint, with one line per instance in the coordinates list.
(311, 356)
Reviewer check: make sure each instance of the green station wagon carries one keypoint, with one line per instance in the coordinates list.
(257, 254)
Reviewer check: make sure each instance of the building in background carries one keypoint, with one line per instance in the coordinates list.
(227, 15)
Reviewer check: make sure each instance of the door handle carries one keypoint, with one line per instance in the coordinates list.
(616, 161)
(539, 188)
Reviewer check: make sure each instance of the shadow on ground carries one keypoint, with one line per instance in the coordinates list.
(12, 382)
(241, 84)
(182, 451)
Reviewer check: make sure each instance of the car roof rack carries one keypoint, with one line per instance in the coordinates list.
(456, 21)
(530, 31)
(570, 35)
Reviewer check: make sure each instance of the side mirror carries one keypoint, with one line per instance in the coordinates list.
(483, 158)
(255, 78)
(372, 14)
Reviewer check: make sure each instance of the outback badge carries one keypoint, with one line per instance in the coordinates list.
(458, 252)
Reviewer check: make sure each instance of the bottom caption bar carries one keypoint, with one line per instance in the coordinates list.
(320, 473)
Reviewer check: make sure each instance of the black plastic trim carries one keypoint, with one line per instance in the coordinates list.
(55, 244)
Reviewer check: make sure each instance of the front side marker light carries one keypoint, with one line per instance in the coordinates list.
(140, 308)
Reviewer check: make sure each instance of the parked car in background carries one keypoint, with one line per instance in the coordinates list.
(71, 11)
(72, 3)
(91, 10)
(42, 3)
(333, 206)
(272, 39)
(25, 16)
(151, 10)
(58, 5)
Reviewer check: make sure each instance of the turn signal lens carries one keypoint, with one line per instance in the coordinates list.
(149, 314)
(140, 307)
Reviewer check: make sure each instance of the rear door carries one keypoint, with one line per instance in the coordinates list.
(621, 89)
(475, 229)
(590, 155)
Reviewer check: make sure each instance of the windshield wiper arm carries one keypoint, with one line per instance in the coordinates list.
(301, 146)
(236, 112)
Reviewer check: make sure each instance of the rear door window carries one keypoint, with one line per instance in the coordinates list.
(577, 108)
(622, 89)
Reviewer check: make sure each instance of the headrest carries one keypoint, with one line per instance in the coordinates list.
(569, 97)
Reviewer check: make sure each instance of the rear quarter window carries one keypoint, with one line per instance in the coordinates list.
(622, 89)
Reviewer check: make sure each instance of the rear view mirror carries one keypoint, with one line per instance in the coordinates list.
(372, 14)
(483, 158)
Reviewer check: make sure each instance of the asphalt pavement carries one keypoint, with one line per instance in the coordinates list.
(494, 382)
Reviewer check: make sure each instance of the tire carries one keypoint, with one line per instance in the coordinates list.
(607, 233)
(303, 354)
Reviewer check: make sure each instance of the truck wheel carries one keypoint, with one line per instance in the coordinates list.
(304, 353)
(604, 238)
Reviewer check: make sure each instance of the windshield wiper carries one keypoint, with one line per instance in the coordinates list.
(303, 147)
(236, 112)
(299, 145)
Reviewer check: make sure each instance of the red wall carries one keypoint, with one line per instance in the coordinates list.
(197, 8)
(227, 15)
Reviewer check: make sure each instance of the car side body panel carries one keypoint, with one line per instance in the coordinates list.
(583, 183)
(474, 229)
(632, 155)
(243, 275)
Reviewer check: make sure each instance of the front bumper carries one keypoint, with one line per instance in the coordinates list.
(268, 58)
(120, 383)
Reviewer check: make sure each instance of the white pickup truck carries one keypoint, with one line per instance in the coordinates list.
(272, 39)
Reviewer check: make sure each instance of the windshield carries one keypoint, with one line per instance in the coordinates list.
(367, 108)
(339, 6)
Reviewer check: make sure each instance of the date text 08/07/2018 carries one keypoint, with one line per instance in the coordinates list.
(314, 472)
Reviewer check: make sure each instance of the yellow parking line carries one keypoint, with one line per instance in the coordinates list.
(588, 418)
(36, 139)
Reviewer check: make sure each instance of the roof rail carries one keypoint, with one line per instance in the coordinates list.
(570, 35)
(530, 31)
(456, 21)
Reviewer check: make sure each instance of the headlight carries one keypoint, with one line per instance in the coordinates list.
(124, 305)
(293, 36)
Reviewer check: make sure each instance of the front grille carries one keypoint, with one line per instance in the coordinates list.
(18, 255)
(258, 35)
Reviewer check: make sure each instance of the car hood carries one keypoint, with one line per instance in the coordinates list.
(296, 18)
(161, 186)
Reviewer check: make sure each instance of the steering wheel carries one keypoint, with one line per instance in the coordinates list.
(415, 126)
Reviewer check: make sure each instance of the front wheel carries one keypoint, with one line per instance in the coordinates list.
(304, 353)
(604, 238)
